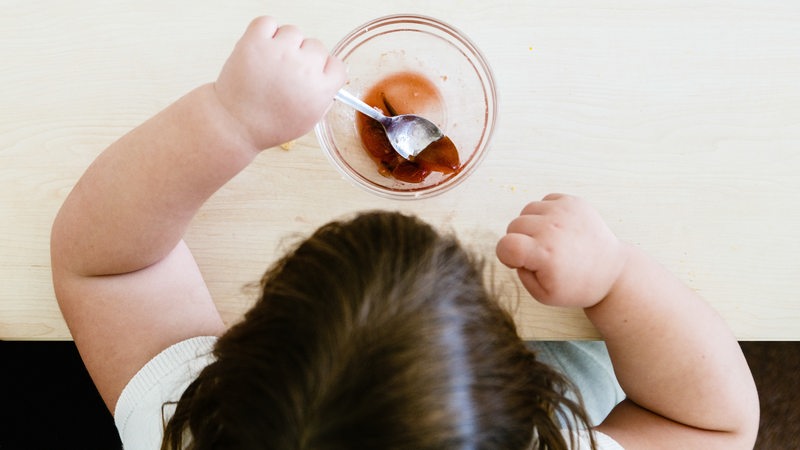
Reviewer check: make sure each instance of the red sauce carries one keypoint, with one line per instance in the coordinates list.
(405, 93)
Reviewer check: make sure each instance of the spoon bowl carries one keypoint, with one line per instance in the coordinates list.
(409, 134)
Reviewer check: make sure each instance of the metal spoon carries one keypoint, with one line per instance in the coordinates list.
(409, 134)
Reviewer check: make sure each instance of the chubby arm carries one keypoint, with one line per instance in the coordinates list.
(126, 283)
(687, 382)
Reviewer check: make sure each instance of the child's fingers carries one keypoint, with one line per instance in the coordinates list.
(554, 196)
(314, 46)
(530, 282)
(517, 250)
(543, 205)
(289, 35)
(331, 66)
(528, 256)
(537, 207)
(315, 51)
(336, 68)
(265, 26)
(529, 224)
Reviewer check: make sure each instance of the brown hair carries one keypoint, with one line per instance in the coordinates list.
(374, 333)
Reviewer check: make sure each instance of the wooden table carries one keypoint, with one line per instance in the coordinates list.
(680, 121)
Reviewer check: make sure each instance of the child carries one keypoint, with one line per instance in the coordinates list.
(375, 332)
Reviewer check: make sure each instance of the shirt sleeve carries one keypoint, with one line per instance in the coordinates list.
(588, 365)
(147, 401)
(604, 441)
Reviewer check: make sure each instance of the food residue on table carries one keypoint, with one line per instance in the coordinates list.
(405, 93)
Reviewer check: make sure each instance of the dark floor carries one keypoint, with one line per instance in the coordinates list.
(47, 400)
(776, 367)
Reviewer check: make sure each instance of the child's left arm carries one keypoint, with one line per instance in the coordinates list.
(126, 284)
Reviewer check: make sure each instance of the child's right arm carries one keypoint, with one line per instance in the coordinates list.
(687, 382)
(125, 281)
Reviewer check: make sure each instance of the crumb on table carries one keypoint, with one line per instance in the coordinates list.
(288, 145)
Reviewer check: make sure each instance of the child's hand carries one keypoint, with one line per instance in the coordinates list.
(277, 83)
(563, 251)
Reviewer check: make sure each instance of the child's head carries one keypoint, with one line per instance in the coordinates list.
(375, 333)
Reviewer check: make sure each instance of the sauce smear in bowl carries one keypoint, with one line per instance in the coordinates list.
(405, 93)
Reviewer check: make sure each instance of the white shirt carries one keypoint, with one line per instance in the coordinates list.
(141, 412)
(144, 405)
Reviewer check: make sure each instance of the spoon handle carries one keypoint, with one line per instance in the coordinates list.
(354, 102)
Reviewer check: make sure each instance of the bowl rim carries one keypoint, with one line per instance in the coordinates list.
(483, 71)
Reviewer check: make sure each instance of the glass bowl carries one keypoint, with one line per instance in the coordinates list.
(466, 110)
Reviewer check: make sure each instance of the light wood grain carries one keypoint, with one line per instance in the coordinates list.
(680, 121)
